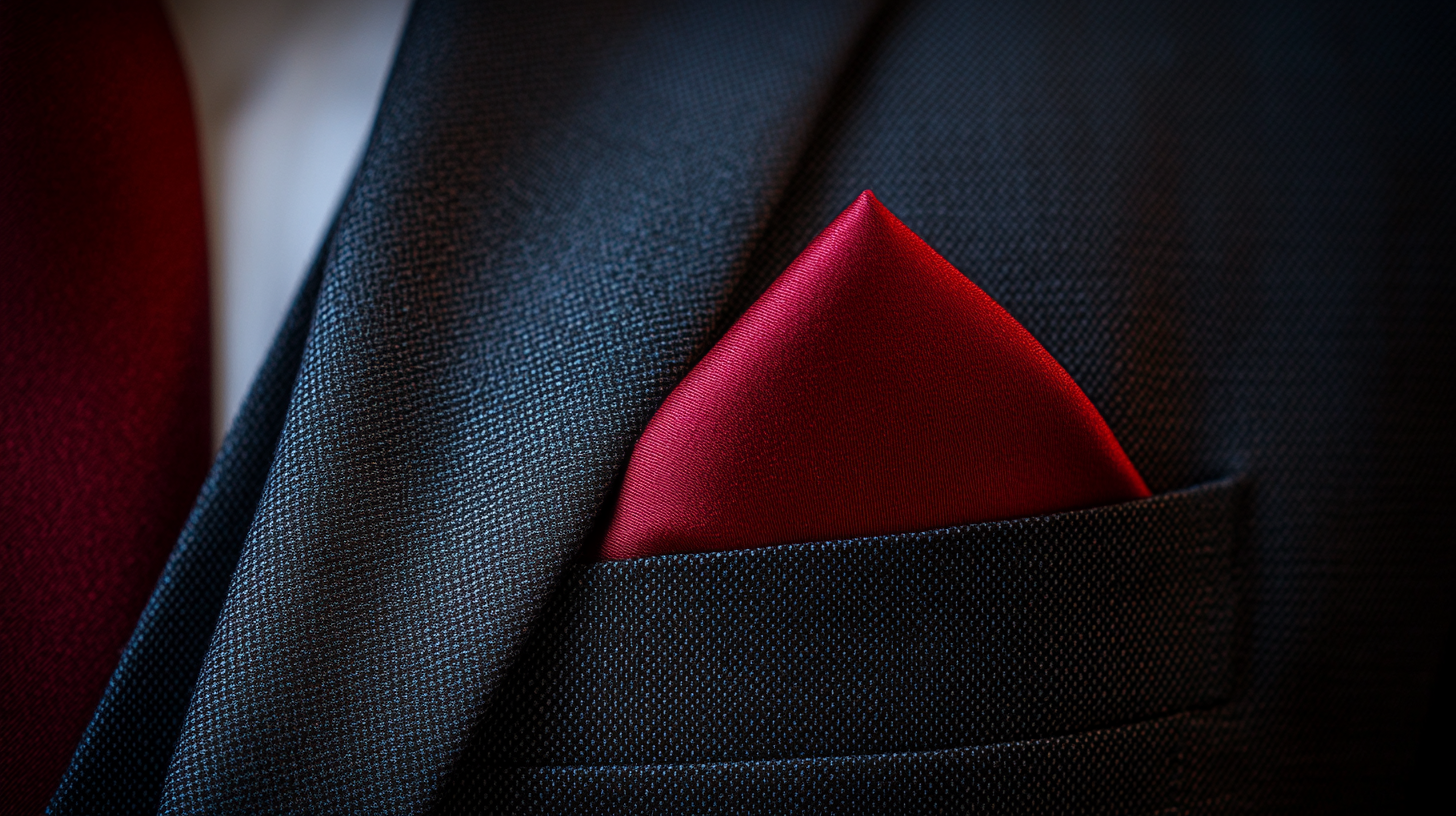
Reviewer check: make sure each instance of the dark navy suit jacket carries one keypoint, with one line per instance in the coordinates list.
(1231, 223)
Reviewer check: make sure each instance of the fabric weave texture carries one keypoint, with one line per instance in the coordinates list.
(882, 644)
(1229, 223)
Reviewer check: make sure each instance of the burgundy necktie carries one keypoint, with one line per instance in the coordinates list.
(104, 381)
(872, 389)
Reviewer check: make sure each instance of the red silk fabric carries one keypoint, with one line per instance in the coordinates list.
(104, 347)
(872, 389)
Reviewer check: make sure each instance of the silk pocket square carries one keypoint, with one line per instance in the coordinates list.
(871, 389)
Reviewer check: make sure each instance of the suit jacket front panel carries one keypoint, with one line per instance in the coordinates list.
(1228, 224)
(1225, 223)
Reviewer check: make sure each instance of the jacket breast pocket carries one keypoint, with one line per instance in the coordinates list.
(825, 665)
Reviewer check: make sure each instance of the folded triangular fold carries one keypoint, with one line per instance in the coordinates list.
(872, 389)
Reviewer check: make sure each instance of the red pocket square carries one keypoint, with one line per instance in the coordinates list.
(872, 389)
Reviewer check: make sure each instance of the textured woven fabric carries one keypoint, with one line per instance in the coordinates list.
(104, 376)
(530, 217)
(1130, 770)
(889, 644)
(1230, 224)
(872, 389)
(122, 759)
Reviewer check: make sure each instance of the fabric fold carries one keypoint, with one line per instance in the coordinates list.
(872, 389)
(122, 760)
(552, 209)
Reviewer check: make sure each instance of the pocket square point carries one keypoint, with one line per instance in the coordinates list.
(872, 389)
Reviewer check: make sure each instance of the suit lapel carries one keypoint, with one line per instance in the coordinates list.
(552, 211)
